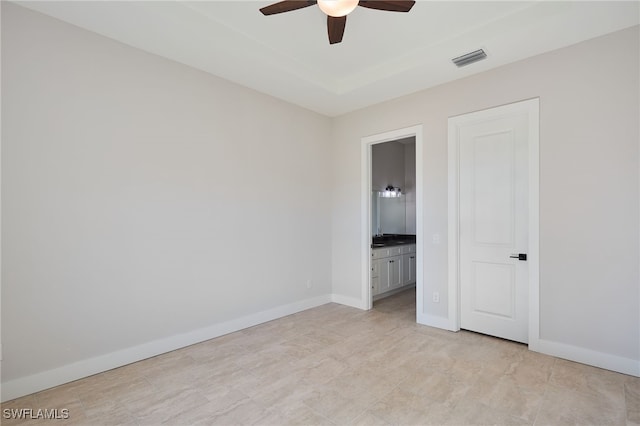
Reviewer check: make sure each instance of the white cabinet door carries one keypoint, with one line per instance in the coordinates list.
(383, 275)
(408, 269)
(389, 274)
(395, 271)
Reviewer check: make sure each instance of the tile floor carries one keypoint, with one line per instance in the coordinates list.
(336, 365)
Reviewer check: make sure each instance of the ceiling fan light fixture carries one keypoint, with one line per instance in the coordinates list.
(337, 8)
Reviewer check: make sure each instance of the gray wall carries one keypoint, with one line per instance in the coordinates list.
(589, 185)
(142, 199)
(387, 165)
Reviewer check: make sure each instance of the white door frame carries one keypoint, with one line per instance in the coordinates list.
(365, 185)
(530, 106)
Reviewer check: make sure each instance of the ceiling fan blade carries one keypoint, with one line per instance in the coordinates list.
(286, 6)
(335, 28)
(389, 5)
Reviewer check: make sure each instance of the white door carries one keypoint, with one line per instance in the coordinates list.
(493, 221)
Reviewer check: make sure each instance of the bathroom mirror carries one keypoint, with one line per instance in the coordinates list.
(388, 215)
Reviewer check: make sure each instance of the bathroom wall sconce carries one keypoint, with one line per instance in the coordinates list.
(390, 192)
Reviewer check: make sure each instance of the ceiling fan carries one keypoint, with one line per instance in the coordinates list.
(337, 11)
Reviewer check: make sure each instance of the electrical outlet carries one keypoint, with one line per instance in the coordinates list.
(436, 297)
(309, 283)
(436, 238)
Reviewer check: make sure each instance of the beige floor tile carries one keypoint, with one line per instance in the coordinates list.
(334, 406)
(322, 371)
(226, 375)
(596, 382)
(299, 347)
(158, 407)
(271, 418)
(464, 371)
(569, 407)
(402, 407)
(369, 419)
(298, 413)
(533, 371)
(108, 412)
(222, 398)
(217, 412)
(361, 386)
(201, 415)
(470, 412)
(324, 337)
(438, 387)
(632, 399)
(282, 393)
(118, 392)
(246, 413)
(506, 395)
(430, 360)
(336, 365)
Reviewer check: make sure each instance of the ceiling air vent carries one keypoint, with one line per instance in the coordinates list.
(469, 58)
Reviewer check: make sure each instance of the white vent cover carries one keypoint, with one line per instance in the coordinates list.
(469, 58)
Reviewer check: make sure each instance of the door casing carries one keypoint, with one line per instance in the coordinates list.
(531, 107)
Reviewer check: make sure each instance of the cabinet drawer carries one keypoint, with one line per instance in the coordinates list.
(380, 253)
(395, 251)
(408, 249)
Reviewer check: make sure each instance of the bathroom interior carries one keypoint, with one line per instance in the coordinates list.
(393, 218)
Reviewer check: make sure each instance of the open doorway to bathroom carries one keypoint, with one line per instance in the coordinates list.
(393, 218)
(392, 215)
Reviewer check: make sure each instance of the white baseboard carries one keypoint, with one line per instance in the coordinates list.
(561, 350)
(587, 356)
(434, 321)
(348, 301)
(70, 372)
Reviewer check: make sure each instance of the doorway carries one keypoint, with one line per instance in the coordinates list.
(367, 230)
(493, 221)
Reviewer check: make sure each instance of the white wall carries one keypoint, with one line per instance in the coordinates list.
(589, 187)
(409, 189)
(143, 200)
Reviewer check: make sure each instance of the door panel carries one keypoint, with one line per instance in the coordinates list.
(493, 289)
(493, 214)
(492, 191)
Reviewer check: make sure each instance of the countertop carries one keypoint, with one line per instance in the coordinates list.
(387, 240)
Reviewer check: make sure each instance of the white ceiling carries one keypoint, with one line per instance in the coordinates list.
(383, 55)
